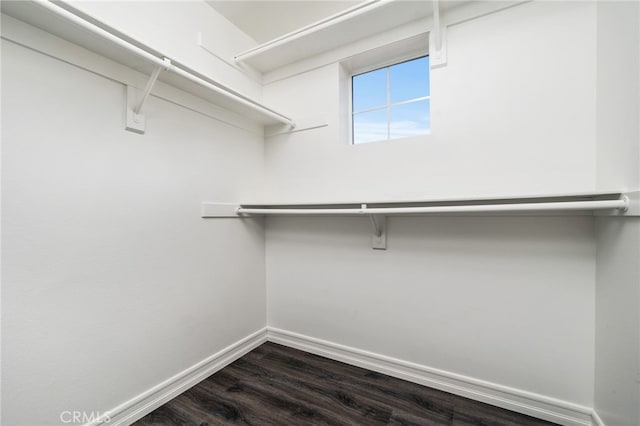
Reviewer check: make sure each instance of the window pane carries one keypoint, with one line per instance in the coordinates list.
(410, 119)
(370, 126)
(370, 90)
(409, 80)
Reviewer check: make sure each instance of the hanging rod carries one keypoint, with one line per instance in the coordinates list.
(619, 204)
(627, 204)
(161, 62)
(357, 10)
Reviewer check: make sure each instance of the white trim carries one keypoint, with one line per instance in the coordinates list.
(551, 409)
(388, 54)
(596, 420)
(547, 408)
(144, 403)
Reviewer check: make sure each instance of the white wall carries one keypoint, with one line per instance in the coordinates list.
(111, 281)
(617, 350)
(513, 112)
(506, 300)
(618, 95)
(106, 261)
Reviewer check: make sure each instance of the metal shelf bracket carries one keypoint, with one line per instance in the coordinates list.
(437, 39)
(379, 238)
(135, 121)
(379, 224)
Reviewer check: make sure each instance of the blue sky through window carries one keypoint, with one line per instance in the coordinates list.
(409, 80)
(370, 90)
(410, 119)
(392, 102)
(370, 126)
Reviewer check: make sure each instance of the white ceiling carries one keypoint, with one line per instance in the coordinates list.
(265, 20)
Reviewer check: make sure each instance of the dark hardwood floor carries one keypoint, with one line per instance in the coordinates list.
(276, 385)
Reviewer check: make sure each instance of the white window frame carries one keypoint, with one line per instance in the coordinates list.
(396, 52)
(387, 106)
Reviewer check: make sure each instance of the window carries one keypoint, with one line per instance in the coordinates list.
(391, 102)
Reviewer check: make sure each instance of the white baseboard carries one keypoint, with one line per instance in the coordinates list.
(535, 405)
(146, 402)
(542, 407)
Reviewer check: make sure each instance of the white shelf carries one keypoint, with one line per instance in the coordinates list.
(609, 202)
(83, 31)
(550, 196)
(362, 21)
(606, 203)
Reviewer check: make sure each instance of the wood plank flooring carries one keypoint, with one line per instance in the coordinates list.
(276, 385)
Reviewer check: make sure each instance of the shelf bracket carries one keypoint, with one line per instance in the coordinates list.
(437, 39)
(379, 238)
(379, 224)
(135, 121)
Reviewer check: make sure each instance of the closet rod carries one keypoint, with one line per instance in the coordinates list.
(323, 24)
(63, 13)
(619, 204)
